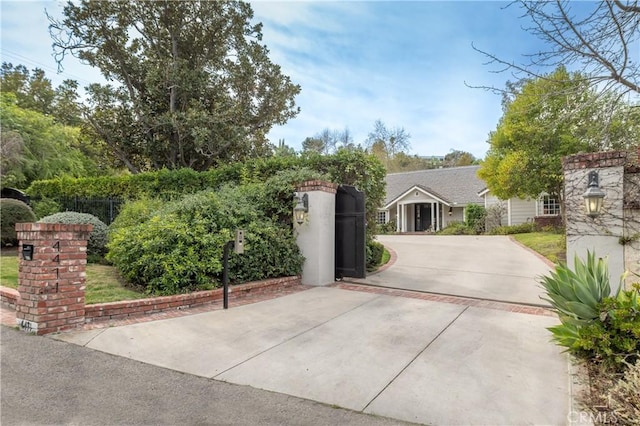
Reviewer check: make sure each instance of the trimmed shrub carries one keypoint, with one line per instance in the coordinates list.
(475, 217)
(523, 228)
(97, 243)
(456, 228)
(374, 254)
(11, 212)
(387, 228)
(177, 247)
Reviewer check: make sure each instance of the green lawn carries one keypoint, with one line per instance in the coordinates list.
(550, 245)
(385, 257)
(103, 282)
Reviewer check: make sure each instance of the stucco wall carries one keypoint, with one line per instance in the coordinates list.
(632, 220)
(605, 235)
(316, 235)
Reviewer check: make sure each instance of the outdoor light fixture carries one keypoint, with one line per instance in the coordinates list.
(450, 210)
(594, 196)
(301, 208)
(27, 252)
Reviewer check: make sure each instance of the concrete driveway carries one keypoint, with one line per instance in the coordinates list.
(485, 267)
(405, 358)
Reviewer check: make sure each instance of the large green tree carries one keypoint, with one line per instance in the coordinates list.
(195, 86)
(548, 118)
(34, 146)
(457, 158)
(34, 91)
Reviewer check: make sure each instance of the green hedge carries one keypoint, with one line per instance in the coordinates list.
(350, 167)
(522, 228)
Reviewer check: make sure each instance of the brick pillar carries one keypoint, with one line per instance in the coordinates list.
(52, 284)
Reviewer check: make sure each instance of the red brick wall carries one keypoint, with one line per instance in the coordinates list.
(134, 308)
(594, 160)
(131, 308)
(9, 297)
(318, 185)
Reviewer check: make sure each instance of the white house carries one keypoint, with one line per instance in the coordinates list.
(427, 200)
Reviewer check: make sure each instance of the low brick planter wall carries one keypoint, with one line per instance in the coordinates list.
(152, 305)
(9, 297)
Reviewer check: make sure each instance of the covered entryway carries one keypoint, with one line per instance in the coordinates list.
(483, 267)
(422, 213)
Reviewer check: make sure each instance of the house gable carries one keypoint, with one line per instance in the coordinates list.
(417, 194)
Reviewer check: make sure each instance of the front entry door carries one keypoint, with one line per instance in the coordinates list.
(423, 217)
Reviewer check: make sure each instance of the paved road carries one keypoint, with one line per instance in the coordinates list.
(486, 267)
(47, 382)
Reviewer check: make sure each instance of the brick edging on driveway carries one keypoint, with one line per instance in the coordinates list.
(458, 300)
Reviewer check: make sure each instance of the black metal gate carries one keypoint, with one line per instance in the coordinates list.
(350, 233)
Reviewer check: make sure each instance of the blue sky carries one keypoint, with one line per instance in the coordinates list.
(405, 63)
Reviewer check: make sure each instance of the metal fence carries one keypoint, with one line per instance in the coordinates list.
(105, 209)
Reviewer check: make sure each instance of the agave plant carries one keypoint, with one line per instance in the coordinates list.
(575, 295)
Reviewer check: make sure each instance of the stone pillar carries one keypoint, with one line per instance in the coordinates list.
(316, 235)
(601, 234)
(52, 284)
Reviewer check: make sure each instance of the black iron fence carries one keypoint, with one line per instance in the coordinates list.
(105, 209)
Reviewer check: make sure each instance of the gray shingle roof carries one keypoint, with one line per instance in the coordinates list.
(458, 185)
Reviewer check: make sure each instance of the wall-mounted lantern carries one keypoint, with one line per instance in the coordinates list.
(27, 252)
(301, 208)
(594, 196)
(450, 210)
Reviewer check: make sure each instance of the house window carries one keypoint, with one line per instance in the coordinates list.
(550, 206)
(382, 217)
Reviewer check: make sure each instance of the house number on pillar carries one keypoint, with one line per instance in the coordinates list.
(56, 260)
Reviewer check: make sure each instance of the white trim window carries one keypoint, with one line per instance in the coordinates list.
(550, 205)
(381, 219)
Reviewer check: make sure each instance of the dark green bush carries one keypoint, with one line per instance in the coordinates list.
(457, 228)
(522, 228)
(374, 254)
(475, 217)
(96, 246)
(276, 195)
(45, 207)
(178, 247)
(12, 212)
(387, 228)
(613, 338)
